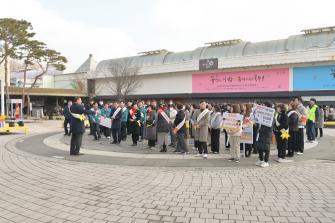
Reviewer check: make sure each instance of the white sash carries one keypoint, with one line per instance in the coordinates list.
(181, 124)
(202, 114)
(291, 112)
(116, 112)
(78, 116)
(123, 109)
(81, 117)
(214, 117)
(165, 116)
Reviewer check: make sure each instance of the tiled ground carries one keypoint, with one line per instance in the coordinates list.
(42, 189)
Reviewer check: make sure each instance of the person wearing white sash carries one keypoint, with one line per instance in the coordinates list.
(150, 127)
(215, 127)
(172, 112)
(77, 124)
(135, 124)
(163, 123)
(180, 130)
(201, 126)
(124, 120)
(116, 115)
(195, 134)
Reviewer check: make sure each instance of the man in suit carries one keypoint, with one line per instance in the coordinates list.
(67, 118)
(116, 116)
(77, 112)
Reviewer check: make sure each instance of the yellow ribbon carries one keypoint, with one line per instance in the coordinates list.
(78, 116)
(285, 135)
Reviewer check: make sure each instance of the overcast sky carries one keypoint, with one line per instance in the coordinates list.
(117, 28)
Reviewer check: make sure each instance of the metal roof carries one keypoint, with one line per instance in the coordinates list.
(240, 49)
(89, 65)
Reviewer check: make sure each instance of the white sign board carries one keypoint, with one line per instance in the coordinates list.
(107, 122)
(263, 115)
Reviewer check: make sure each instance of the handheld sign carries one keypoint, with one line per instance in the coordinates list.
(232, 121)
(263, 115)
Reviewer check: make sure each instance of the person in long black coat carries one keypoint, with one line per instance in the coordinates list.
(116, 123)
(134, 126)
(77, 125)
(263, 142)
(281, 125)
(67, 118)
(293, 126)
(180, 130)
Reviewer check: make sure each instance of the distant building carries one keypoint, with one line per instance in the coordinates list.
(17, 77)
(235, 70)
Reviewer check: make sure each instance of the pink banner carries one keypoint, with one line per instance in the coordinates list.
(241, 81)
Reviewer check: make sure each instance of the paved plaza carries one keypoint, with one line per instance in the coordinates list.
(40, 182)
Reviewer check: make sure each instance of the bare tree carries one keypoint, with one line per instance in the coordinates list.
(79, 85)
(121, 78)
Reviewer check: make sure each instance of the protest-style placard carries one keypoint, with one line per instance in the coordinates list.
(232, 121)
(263, 115)
(106, 122)
(247, 131)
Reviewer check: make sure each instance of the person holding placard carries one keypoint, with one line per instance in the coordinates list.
(95, 118)
(235, 134)
(201, 127)
(106, 112)
(264, 139)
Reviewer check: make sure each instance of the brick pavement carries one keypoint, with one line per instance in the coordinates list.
(42, 189)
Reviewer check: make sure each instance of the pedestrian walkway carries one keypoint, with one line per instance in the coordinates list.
(39, 188)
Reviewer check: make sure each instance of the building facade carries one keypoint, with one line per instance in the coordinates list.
(234, 69)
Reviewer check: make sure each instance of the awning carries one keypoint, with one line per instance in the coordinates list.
(47, 92)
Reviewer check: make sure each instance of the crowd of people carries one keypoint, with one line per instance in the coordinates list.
(177, 125)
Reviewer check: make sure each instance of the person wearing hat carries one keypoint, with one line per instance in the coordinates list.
(77, 111)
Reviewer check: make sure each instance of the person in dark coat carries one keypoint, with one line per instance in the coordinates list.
(67, 118)
(281, 126)
(116, 115)
(77, 111)
(180, 130)
(135, 123)
(293, 126)
(88, 108)
(263, 141)
(150, 127)
(162, 127)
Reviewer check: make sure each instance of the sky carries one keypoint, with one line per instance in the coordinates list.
(118, 28)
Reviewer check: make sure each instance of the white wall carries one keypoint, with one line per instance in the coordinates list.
(65, 80)
(176, 83)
